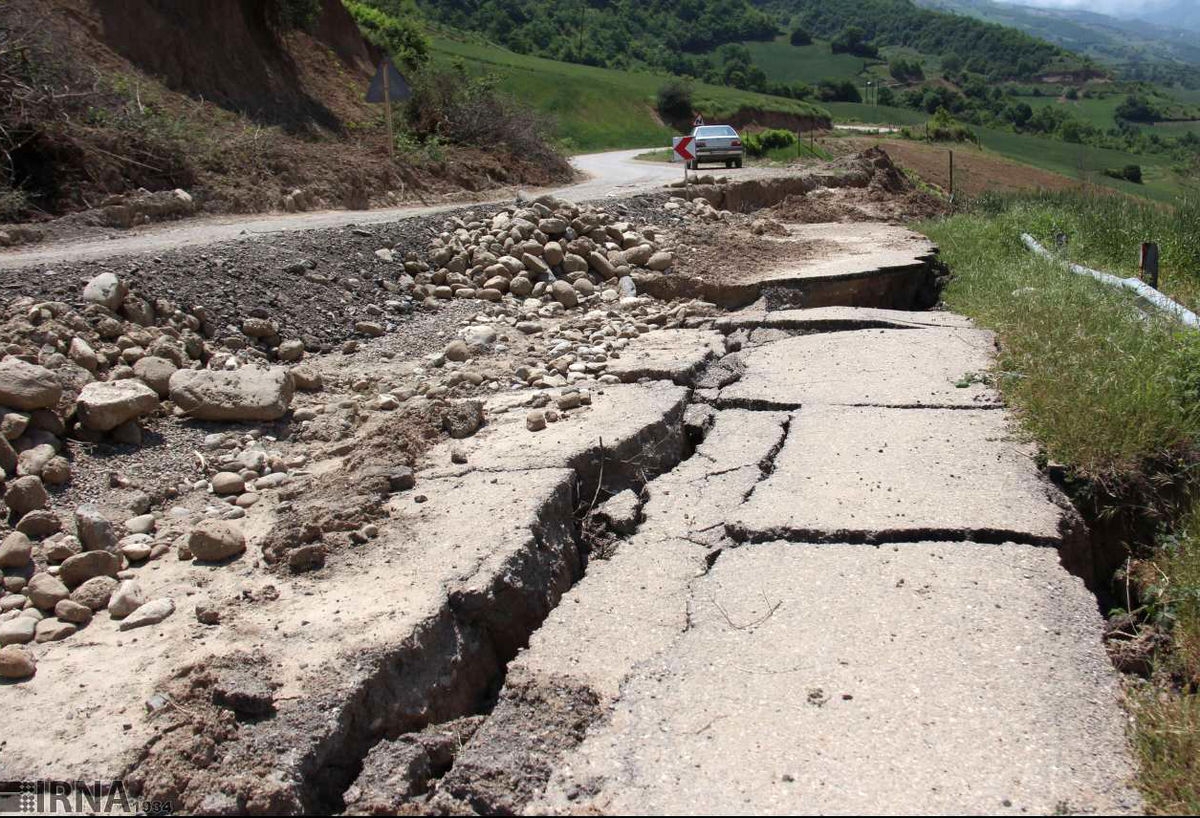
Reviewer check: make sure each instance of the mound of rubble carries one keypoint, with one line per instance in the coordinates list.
(555, 306)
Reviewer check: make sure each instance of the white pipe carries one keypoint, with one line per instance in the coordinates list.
(1143, 290)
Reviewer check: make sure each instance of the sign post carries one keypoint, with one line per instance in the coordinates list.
(682, 147)
(387, 85)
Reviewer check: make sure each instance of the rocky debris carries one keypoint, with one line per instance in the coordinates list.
(307, 557)
(207, 613)
(398, 772)
(227, 483)
(621, 512)
(546, 249)
(27, 386)
(40, 523)
(216, 540)
(26, 494)
(103, 406)
(68, 610)
(156, 373)
(127, 599)
(463, 418)
(53, 630)
(95, 593)
(106, 290)
(149, 614)
(244, 691)
(78, 569)
(16, 551)
(245, 394)
(18, 631)
(45, 591)
(16, 662)
(94, 530)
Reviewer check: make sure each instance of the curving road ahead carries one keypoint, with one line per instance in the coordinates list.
(614, 173)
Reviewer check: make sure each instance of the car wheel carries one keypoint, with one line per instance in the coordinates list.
(728, 164)
(737, 163)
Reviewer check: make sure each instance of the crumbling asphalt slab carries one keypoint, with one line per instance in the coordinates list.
(675, 355)
(917, 678)
(872, 474)
(833, 319)
(919, 367)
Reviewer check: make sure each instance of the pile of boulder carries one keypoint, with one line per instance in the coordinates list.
(546, 248)
(95, 373)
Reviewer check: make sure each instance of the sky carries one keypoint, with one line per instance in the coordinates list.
(1122, 8)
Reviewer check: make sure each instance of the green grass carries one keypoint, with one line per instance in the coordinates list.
(1088, 162)
(875, 114)
(1174, 128)
(1099, 386)
(599, 108)
(1105, 233)
(784, 62)
(1167, 714)
(1166, 738)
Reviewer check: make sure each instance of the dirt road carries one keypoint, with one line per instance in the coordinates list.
(614, 173)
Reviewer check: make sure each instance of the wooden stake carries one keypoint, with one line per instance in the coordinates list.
(951, 174)
(387, 111)
(1149, 264)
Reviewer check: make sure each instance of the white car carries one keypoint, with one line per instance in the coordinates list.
(716, 143)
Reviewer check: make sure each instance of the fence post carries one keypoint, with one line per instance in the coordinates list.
(1149, 264)
(952, 175)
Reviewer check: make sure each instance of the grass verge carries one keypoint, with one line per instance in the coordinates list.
(1114, 395)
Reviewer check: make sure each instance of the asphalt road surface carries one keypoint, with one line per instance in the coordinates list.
(614, 173)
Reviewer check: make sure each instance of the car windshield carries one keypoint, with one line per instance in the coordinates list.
(716, 130)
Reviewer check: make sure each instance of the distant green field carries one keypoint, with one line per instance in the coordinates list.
(1049, 154)
(784, 62)
(1099, 112)
(1074, 160)
(874, 114)
(1188, 96)
(1175, 128)
(598, 108)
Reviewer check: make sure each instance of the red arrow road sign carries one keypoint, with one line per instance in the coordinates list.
(683, 147)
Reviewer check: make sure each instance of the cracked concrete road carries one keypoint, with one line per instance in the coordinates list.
(849, 590)
(857, 595)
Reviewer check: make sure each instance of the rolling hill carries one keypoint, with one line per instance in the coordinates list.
(1130, 45)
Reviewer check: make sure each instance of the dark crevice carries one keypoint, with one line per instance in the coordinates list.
(812, 536)
(484, 632)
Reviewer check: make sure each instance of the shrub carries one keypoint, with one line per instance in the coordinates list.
(853, 40)
(295, 13)
(945, 128)
(1130, 173)
(761, 143)
(397, 34)
(675, 101)
(1137, 109)
(800, 37)
(834, 90)
(452, 106)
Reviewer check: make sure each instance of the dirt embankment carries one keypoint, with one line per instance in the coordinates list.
(219, 99)
(756, 117)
